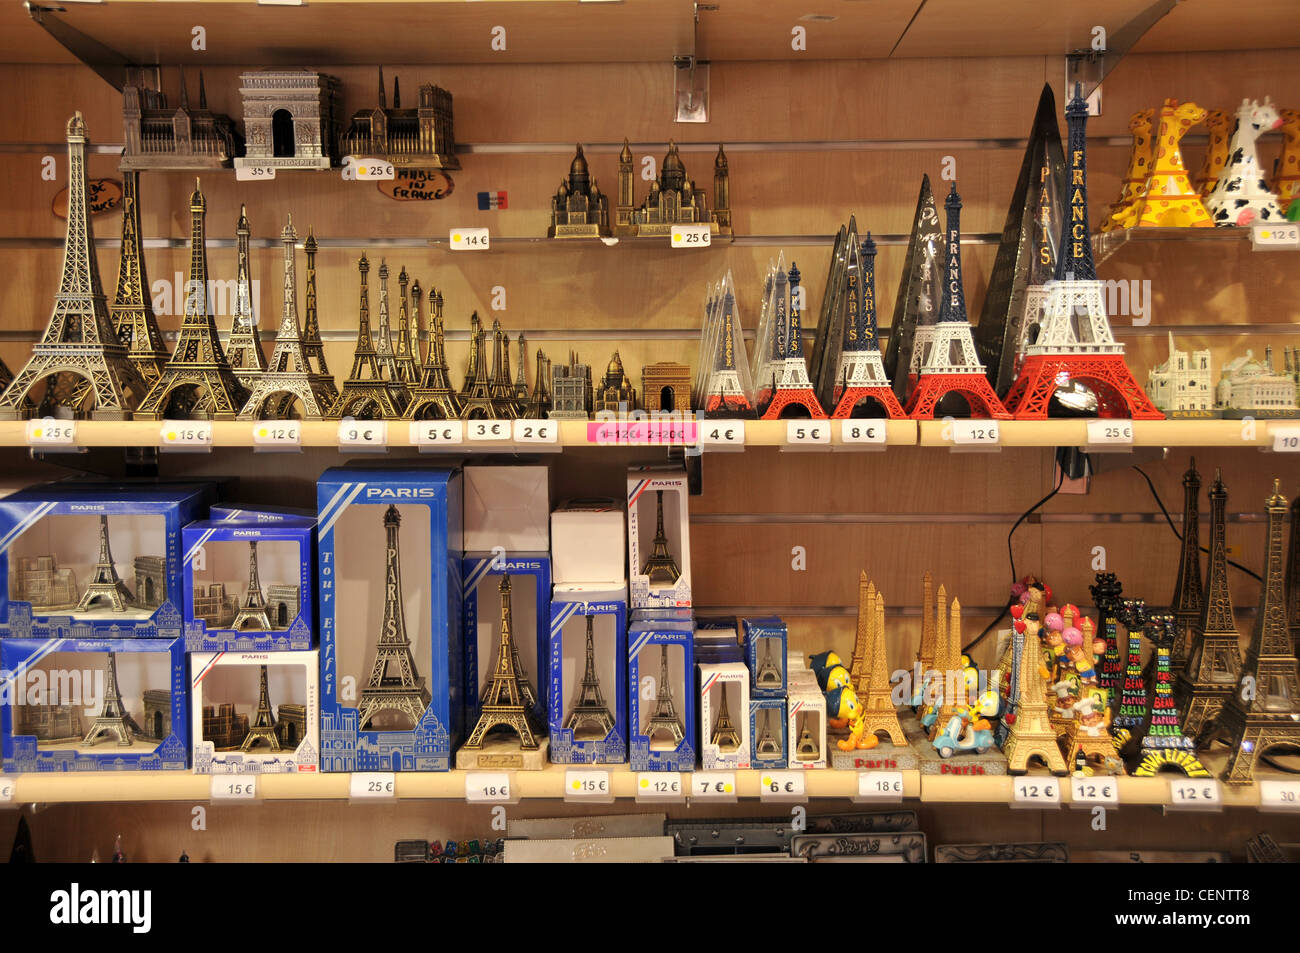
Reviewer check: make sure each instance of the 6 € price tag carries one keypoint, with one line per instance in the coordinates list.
(372, 786)
(1273, 795)
(437, 433)
(862, 431)
(1110, 432)
(537, 431)
(658, 786)
(1091, 792)
(807, 432)
(781, 786)
(722, 434)
(713, 785)
(587, 785)
(488, 429)
(277, 434)
(975, 433)
(48, 432)
(365, 435)
(186, 435)
(880, 785)
(234, 787)
(1195, 794)
(1036, 792)
(1285, 439)
(483, 787)
(469, 239)
(692, 236)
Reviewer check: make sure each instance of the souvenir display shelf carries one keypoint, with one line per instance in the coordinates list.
(843, 126)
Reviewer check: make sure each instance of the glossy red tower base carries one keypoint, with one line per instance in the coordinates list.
(1118, 394)
(930, 389)
(787, 397)
(850, 398)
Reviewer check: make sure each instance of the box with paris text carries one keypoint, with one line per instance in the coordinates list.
(588, 679)
(658, 537)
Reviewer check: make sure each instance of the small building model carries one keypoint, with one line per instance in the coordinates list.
(419, 138)
(1181, 386)
(1248, 387)
(161, 137)
(579, 209)
(290, 119)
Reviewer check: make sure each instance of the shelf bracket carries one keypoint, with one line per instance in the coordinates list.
(1089, 67)
(108, 63)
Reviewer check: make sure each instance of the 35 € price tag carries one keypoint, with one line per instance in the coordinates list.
(1275, 236)
(659, 786)
(186, 435)
(6, 790)
(1285, 439)
(234, 787)
(437, 433)
(692, 236)
(713, 785)
(469, 239)
(880, 785)
(254, 173)
(1195, 794)
(488, 429)
(975, 433)
(537, 431)
(802, 433)
(722, 434)
(277, 434)
(782, 786)
(862, 431)
(364, 435)
(1110, 432)
(357, 169)
(1036, 792)
(48, 432)
(1095, 791)
(372, 786)
(587, 785)
(484, 787)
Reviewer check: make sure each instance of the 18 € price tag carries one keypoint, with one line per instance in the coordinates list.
(863, 431)
(1285, 439)
(186, 435)
(1091, 792)
(1110, 432)
(234, 787)
(484, 787)
(692, 236)
(1195, 794)
(365, 435)
(469, 239)
(536, 431)
(374, 785)
(437, 433)
(658, 786)
(880, 785)
(713, 785)
(587, 785)
(781, 786)
(1036, 792)
(277, 434)
(48, 432)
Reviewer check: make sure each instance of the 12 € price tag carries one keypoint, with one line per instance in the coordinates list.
(587, 785)
(658, 786)
(1279, 795)
(722, 434)
(861, 431)
(1285, 439)
(364, 435)
(277, 434)
(713, 785)
(488, 429)
(1095, 791)
(880, 785)
(1275, 236)
(437, 433)
(48, 432)
(373, 785)
(803, 433)
(185, 435)
(537, 431)
(487, 787)
(782, 786)
(1195, 794)
(233, 787)
(469, 239)
(1036, 792)
(254, 173)
(975, 433)
(1110, 433)
(692, 236)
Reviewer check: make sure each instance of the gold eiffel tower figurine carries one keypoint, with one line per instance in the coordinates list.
(872, 686)
(476, 396)
(590, 712)
(540, 401)
(1189, 592)
(313, 347)
(368, 394)
(504, 703)
(1293, 576)
(769, 671)
(1264, 710)
(384, 352)
(105, 584)
(806, 749)
(408, 346)
(244, 348)
(499, 385)
(661, 568)
(262, 730)
(725, 736)
(767, 747)
(112, 718)
(252, 611)
(133, 317)
(432, 396)
(1032, 734)
(664, 719)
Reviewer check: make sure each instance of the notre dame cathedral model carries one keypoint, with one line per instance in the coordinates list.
(673, 198)
(419, 138)
(161, 137)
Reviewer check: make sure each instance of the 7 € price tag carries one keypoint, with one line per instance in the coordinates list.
(371, 786)
(488, 429)
(277, 435)
(48, 432)
(233, 787)
(369, 436)
(1195, 794)
(1273, 795)
(692, 236)
(1036, 792)
(587, 785)
(803, 433)
(484, 787)
(437, 433)
(469, 239)
(975, 433)
(713, 786)
(537, 431)
(659, 786)
(863, 431)
(185, 435)
(1285, 439)
(1095, 791)
(722, 434)
(1103, 433)
(782, 786)
(880, 785)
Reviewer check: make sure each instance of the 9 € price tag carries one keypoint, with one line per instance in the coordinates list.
(372, 786)
(254, 173)
(1195, 794)
(366, 435)
(782, 786)
(6, 790)
(482, 787)
(1110, 432)
(1095, 791)
(658, 786)
(233, 787)
(1285, 439)
(807, 432)
(488, 429)
(723, 434)
(277, 435)
(587, 785)
(469, 239)
(186, 435)
(537, 431)
(863, 431)
(692, 236)
(1273, 795)
(880, 785)
(48, 432)
(975, 433)
(1036, 792)
(437, 433)
(713, 785)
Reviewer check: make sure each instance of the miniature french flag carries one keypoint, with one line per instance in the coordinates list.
(490, 201)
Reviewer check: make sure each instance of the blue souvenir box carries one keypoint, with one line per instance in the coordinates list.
(87, 560)
(530, 613)
(249, 586)
(389, 549)
(769, 747)
(765, 643)
(257, 513)
(652, 647)
(94, 705)
(571, 608)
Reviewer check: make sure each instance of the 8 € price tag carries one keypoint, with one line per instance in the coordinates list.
(488, 429)
(722, 434)
(802, 433)
(1195, 794)
(365, 435)
(1110, 433)
(1091, 792)
(186, 435)
(48, 432)
(692, 236)
(1036, 792)
(880, 785)
(587, 785)
(233, 787)
(537, 431)
(437, 433)
(469, 239)
(782, 786)
(1285, 439)
(484, 787)
(374, 785)
(862, 431)
(658, 786)
(713, 785)
(277, 435)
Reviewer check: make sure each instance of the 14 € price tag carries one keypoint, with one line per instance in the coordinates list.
(975, 433)
(1036, 792)
(713, 785)
(367, 435)
(537, 431)
(587, 785)
(372, 786)
(233, 787)
(1103, 432)
(182, 434)
(488, 429)
(781, 786)
(806, 432)
(483, 787)
(880, 785)
(469, 239)
(1091, 792)
(692, 236)
(437, 433)
(658, 786)
(861, 431)
(48, 432)
(275, 434)
(1279, 795)
(1285, 439)
(1195, 794)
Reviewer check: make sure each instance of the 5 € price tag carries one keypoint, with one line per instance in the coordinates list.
(862, 431)
(1036, 792)
(722, 434)
(975, 433)
(437, 433)
(1091, 792)
(234, 787)
(1195, 794)
(483, 787)
(469, 239)
(658, 786)
(807, 432)
(1273, 795)
(488, 429)
(48, 432)
(364, 435)
(372, 786)
(1285, 439)
(587, 785)
(537, 431)
(880, 785)
(186, 435)
(1110, 432)
(692, 236)
(277, 435)
(713, 785)
(782, 786)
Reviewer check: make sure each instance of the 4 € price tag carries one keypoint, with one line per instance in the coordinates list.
(692, 236)
(233, 787)
(48, 432)
(722, 434)
(713, 786)
(369, 436)
(437, 433)
(537, 431)
(483, 787)
(1036, 792)
(587, 785)
(185, 435)
(782, 786)
(1285, 439)
(469, 239)
(1195, 794)
(277, 435)
(372, 786)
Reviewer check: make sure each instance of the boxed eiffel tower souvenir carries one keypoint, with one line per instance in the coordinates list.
(93, 704)
(249, 587)
(258, 513)
(95, 559)
(507, 509)
(530, 599)
(765, 643)
(588, 682)
(658, 537)
(724, 705)
(661, 712)
(805, 721)
(391, 651)
(255, 712)
(767, 732)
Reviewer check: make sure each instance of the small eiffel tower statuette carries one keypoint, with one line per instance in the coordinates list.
(1189, 592)
(476, 397)
(133, 316)
(590, 713)
(105, 584)
(664, 720)
(252, 611)
(769, 671)
(369, 392)
(504, 703)
(432, 396)
(262, 730)
(767, 746)
(724, 736)
(806, 749)
(244, 348)
(112, 718)
(661, 568)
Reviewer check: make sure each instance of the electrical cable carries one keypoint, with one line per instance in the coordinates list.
(1170, 520)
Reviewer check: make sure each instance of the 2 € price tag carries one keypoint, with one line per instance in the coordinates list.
(658, 786)
(372, 786)
(1195, 794)
(880, 785)
(365, 435)
(1091, 792)
(1104, 432)
(469, 239)
(782, 786)
(356, 169)
(1273, 795)
(537, 431)
(437, 433)
(48, 432)
(713, 785)
(482, 787)
(254, 173)
(975, 433)
(587, 785)
(489, 429)
(807, 432)
(186, 435)
(277, 434)
(692, 236)
(1275, 236)
(1036, 792)
(722, 434)
(861, 431)
(1285, 439)
(233, 787)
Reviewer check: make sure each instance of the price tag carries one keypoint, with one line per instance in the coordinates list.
(803, 433)
(277, 435)
(587, 785)
(437, 433)
(1090, 792)
(692, 236)
(185, 435)
(861, 431)
(6, 790)
(469, 239)
(254, 173)
(1110, 432)
(233, 787)
(48, 432)
(713, 785)
(1273, 795)
(722, 434)
(372, 786)
(1275, 236)
(781, 786)
(1285, 439)
(658, 786)
(488, 429)
(487, 787)
(537, 431)
(880, 785)
(370, 436)
(1195, 794)
(975, 433)
(1036, 792)
(356, 169)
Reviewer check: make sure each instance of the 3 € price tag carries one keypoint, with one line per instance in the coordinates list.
(484, 787)
(658, 786)
(233, 787)
(722, 434)
(713, 786)
(537, 431)
(1273, 795)
(587, 785)
(782, 786)
(975, 433)
(369, 436)
(277, 435)
(185, 435)
(48, 432)
(357, 169)
(1275, 236)
(469, 239)
(254, 173)
(1285, 439)
(371, 786)
(1195, 794)
(1095, 791)
(488, 430)
(1103, 433)
(692, 236)
(804, 433)
(1036, 792)
(437, 433)
(863, 431)
(880, 785)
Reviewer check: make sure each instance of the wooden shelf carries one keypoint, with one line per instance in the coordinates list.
(1146, 433)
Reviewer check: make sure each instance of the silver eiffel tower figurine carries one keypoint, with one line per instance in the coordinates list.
(590, 712)
(664, 720)
(262, 730)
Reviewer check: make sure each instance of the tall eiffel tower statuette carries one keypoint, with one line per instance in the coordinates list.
(289, 375)
(660, 569)
(244, 348)
(406, 356)
(79, 341)
(664, 720)
(767, 746)
(505, 701)
(112, 718)
(252, 611)
(313, 348)
(861, 374)
(395, 683)
(368, 393)
(540, 401)
(1293, 576)
(521, 380)
(590, 712)
(262, 730)
(499, 385)
(1189, 592)
(105, 586)
(384, 353)
(724, 736)
(133, 317)
(873, 688)
(1106, 592)
(1032, 735)
(1164, 744)
(432, 397)
(724, 393)
(1130, 721)
(1264, 710)
(790, 384)
(1213, 666)
(476, 397)
(198, 363)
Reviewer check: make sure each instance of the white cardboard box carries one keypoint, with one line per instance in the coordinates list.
(507, 507)
(806, 708)
(644, 484)
(733, 679)
(589, 543)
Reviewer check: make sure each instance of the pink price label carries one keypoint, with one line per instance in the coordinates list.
(614, 432)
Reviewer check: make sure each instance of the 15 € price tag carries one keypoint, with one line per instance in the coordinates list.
(233, 787)
(975, 433)
(587, 785)
(659, 786)
(722, 434)
(803, 433)
(469, 239)
(488, 429)
(1110, 432)
(364, 435)
(1275, 236)
(1285, 439)
(48, 432)
(782, 786)
(1091, 792)
(277, 435)
(372, 785)
(484, 787)
(357, 169)
(537, 431)
(692, 236)
(185, 435)
(1195, 794)
(713, 785)
(254, 173)
(1279, 795)
(437, 433)
(861, 431)
(880, 785)
(1036, 792)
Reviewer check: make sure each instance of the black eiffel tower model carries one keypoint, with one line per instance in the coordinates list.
(505, 701)
(198, 374)
(133, 317)
(432, 397)
(1106, 596)
(252, 611)
(80, 342)
(476, 396)
(725, 736)
(1214, 655)
(916, 306)
(106, 588)
(395, 684)
(591, 712)
(1264, 710)
(1189, 592)
(244, 348)
(664, 719)
(262, 730)
(367, 393)
(661, 569)
(407, 349)
(112, 718)
(1129, 723)
(1164, 745)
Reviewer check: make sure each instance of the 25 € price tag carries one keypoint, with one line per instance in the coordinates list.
(484, 787)
(469, 239)
(587, 785)
(808, 432)
(537, 431)
(692, 236)
(1275, 236)
(1110, 432)
(373, 785)
(356, 169)
(1195, 794)
(782, 786)
(366, 435)
(1091, 792)
(6, 790)
(880, 785)
(975, 433)
(658, 786)
(722, 433)
(488, 429)
(861, 431)
(186, 435)
(1273, 795)
(234, 787)
(48, 432)
(713, 785)
(1285, 439)
(1036, 792)
(277, 434)
(437, 433)
(254, 173)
